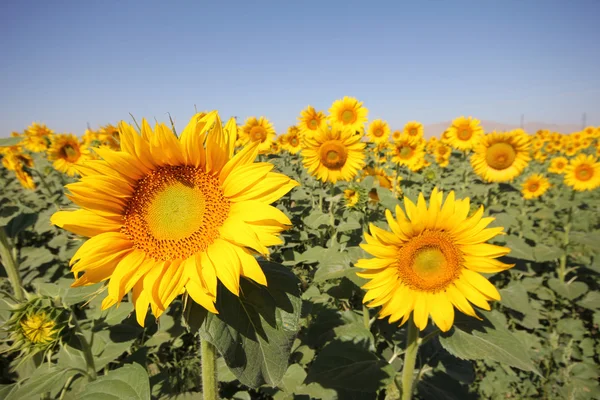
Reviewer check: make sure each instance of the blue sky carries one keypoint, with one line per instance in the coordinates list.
(72, 63)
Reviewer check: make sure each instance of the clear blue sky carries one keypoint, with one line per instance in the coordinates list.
(69, 63)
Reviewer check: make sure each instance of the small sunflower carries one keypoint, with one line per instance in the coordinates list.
(110, 136)
(534, 186)
(396, 135)
(378, 132)
(583, 173)
(464, 133)
(67, 153)
(348, 113)
(167, 215)
(407, 150)
(259, 130)
(333, 154)
(355, 198)
(41, 130)
(293, 142)
(500, 157)
(311, 120)
(38, 328)
(431, 262)
(413, 129)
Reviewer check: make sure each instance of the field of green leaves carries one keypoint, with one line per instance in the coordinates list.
(308, 334)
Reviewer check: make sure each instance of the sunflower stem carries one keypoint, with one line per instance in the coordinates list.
(332, 215)
(562, 266)
(86, 349)
(366, 319)
(210, 386)
(10, 265)
(410, 357)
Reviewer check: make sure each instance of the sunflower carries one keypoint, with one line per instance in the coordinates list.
(110, 136)
(91, 138)
(333, 154)
(414, 129)
(259, 130)
(500, 157)
(583, 173)
(382, 177)
(431, 262)
(348, 113)
(407, 150)
(41, 130)
(464, 133)
(38, 328)
(396, 135)
(310, 121)
(166, 215)
(25, 178)
(378, 132)
(355, 198)
(432, 144)
(534, 186)
(293, 141)
(67, 152)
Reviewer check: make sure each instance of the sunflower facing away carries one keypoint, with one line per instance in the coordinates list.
(259, 130)
(168, 215)
(431, 262)
(464, 133)
(333, 154)
(558, 165)
(67, 152)
(583, 173)
(378, 132)
(310, 121)
(534, 186)
(500, 157)
(348, 113)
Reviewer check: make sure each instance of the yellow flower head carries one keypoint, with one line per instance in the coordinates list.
(500, 157)
(40, 130)
(333, 154)
(259, 130)
(67, 153)
(407, 150)
(378, 132)
(310, 121)
(534, 186)
(583, 173)
(464, 133)
(431, 262)
(348, 113)
(38, 328)
(382, 177)
(353, 198)
(167, 215)
(110, 136)
(293, 142)
(413, 129)
(396, 135)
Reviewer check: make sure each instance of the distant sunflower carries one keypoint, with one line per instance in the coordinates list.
(311, 120)
(382, 177)
(109, 135)
(396, 135)
(378, 132)
(168, 215)
(41, 130)
(500, 157)
(293, 142)
(333, 154)
(583, 173)
(464, 133)
(25, 178)
(534, 186)
(67, 152)
(348, 113)
(413, 129)
(259, 130)
(431, 262)
(407, 150)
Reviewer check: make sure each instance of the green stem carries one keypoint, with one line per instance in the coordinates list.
(332, 215)
(562, 266)
(210, 387)
(410, 357)
(366, 320)
(10, 264)
(86, 349)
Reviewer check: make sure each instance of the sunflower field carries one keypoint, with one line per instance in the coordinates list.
(341, 259)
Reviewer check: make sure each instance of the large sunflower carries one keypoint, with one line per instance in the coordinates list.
(464, 133)
(431, 262)
(534, 186)
(67, 152)
(311, 120)
(500, 157)
(259, 130)
(583, 173)
(378, 132)
(333, 154)
(348, 113)
(166, 215)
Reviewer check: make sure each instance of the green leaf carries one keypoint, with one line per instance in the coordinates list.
(590, 301)
(471, 339)
(126, 383)
(349, 367)
(567, 290)
(42, 380)
(19, 223)
(543, 253)
(255, 332)
(10, 141)
(519, 249)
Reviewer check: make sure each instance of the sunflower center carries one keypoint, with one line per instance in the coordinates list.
(429, 262)
(313, 123)
(37, 328)
(258, 134)
(413, 132)
(405, 152)
(294, 141)
(465, 134)
(69, 153)
(500, 155)
(175, 212)
(348, 116)
(533, 187)
(333, 155)
(584, 172)
(378, 132)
